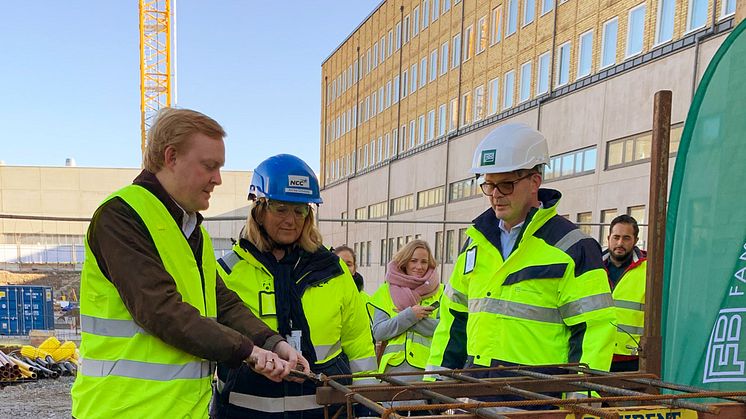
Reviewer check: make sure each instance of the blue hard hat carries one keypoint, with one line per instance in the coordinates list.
(285, 177)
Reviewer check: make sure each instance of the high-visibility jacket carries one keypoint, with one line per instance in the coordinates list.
(339, 329)
(547, 302)
(629, 303)
(410, 346)
(125, 371)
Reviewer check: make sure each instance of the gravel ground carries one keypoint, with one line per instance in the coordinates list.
(45, 398)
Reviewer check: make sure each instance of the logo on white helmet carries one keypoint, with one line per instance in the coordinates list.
(487, 158)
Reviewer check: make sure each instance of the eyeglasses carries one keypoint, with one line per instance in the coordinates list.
(299, 211)
(505, 188)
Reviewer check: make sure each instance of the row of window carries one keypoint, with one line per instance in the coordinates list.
(456, 238)
(483, 105)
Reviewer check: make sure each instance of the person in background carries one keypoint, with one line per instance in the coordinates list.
(284, 274)
(154, 314)
(350, 259)
(626, 266)
(528, 287)
(406, 309)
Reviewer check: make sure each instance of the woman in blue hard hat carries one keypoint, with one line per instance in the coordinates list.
(282, 272)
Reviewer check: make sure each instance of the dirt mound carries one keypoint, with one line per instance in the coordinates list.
(62, 282)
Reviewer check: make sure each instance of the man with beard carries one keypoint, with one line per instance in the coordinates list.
(626, 265)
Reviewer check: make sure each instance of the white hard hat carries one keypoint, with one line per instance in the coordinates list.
(508, 148)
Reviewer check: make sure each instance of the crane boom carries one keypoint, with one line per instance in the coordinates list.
(155, 62)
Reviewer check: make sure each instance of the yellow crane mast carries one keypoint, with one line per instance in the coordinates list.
(155, 62)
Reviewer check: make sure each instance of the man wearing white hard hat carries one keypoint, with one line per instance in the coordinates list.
(528, 288)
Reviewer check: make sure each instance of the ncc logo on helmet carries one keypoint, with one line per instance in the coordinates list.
(298, 181)
(488, 157)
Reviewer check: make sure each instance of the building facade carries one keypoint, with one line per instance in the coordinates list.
(411, 92)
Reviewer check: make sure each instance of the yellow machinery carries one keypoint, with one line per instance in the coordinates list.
(155, 61)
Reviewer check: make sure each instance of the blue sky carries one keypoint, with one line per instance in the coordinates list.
(69, 76)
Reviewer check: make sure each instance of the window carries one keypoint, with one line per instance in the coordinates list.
(404, 83)
(696, 15)
(383, 260)
(377, 210)
(666, 11)
(412, 133)
(468, 42)
(367, 253)
(361, 213)
(450, 247)
(463, 189)
(446, 5)
(638, 213)
(402, 204)
(584, 218)
(388, 94)
(373, 152)
(585, 55)
(403, 143)
(382, 48)
(438, 246)
(405, 29)
(390, 43)
(496, 20)
(395, 134)
(387, 147)
(636, 30)
(413, 74)
(606, 217)
(425, 13)
(482, 35)
(524, 93)
(374, 104)
(461, 238)
(375, 55)
(479, 103)
(636, 148)
(415, 21)
(456, 57)
(423, 71)
(398, 35)
(431, 125)
(380, 99)
(430, 197)
(433, 64)
(574, 163)
(512, 17)
(444, 58)
(729, 7)
(436, 9)
(355, 71)
(608, 43)
(546, 6)
(380, 150)
(396, 89)
(494, 87)
(542, 76)
(563, 64)
(442, 120)
(465, 107)
(421, 131)
(529, 11)
(508, 89)
(453, 123)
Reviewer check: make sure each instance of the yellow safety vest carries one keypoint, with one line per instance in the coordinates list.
(410, 345)
(125, 371)
(521, 309)
(325, 307)
(629, 303)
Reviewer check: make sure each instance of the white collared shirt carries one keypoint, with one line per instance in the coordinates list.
(509, 237)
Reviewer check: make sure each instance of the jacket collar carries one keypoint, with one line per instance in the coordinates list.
(638, 257)
(149, 181)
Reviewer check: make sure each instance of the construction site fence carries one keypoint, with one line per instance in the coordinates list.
(57, 243)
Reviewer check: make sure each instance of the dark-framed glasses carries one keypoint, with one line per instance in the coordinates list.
(283, 209)
(505, 188)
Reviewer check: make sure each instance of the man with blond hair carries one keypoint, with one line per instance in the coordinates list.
(155, 316)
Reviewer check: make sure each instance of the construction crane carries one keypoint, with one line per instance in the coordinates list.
(155, 62)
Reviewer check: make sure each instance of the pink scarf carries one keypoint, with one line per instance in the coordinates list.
(407, 290)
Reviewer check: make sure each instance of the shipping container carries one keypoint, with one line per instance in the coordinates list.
(24, 308)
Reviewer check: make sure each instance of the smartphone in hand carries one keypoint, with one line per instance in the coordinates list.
(435, 305)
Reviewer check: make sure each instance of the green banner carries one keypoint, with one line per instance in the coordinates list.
(704, 296)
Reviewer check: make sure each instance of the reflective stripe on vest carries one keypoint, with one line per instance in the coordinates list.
(586, 304)
(515, 309)
(629, 305)
(109, 327)
(326, 351)
(146, 370)
(456, 296)
(632, 330)
(228, 261)
(274, 404)
(363, 364)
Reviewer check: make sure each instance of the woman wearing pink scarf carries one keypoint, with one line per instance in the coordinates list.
(406, 309)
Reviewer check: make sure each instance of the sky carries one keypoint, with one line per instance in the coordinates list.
(70, 82)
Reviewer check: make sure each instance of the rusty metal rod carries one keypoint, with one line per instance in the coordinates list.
(483, 413)
(621, 391)
(532, 395)
(370, 404)
(655, 383)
